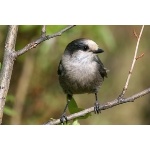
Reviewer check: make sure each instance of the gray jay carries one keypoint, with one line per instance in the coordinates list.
(81, 71)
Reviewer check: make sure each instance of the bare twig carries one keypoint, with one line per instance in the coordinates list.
(41, 39)
(102, 107)
(140, 56)
(133, 63)
(135, 34)
(43, 32)
(7, 67)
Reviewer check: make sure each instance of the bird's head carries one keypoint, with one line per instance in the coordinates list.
(83, 45)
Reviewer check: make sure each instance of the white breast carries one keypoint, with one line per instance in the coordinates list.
(81, 74)
(82, 67)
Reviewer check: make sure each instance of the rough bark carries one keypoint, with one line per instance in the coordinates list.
(7, 66)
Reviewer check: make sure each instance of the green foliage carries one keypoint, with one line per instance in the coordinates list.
(75, 122)
(26, 28)
(109, 41)
(9, 111)
(53, 29)
(10, 98)
(73, 108)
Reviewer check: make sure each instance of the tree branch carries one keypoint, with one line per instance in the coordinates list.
(43, 32)
(41, 39)
(102, 107)
(7, 66)
(133, 63)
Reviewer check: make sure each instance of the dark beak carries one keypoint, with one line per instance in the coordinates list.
(99, 51)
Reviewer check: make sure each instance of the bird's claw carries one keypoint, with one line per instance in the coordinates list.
(63, 119)
(97, 108)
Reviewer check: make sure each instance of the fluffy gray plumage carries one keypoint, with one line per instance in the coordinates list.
(80, 69)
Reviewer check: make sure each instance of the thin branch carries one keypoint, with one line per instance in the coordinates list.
(135, 34)
(41, 39)
(133, 63)
(140, 56)
(102, 107)
(43, 32)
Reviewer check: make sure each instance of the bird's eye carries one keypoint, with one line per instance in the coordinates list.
(85, 47)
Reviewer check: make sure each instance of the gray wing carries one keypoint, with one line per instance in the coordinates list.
(60, 68)
(102, 69)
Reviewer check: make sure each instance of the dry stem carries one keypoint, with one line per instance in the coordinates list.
(133, 63)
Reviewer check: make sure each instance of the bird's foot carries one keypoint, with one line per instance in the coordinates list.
(97, 108)
(63, 119)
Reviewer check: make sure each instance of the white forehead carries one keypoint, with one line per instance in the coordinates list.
(92, 45)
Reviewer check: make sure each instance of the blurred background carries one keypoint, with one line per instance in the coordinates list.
(35, 95)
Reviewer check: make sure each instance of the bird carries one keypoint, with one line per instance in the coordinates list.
(81, 71)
